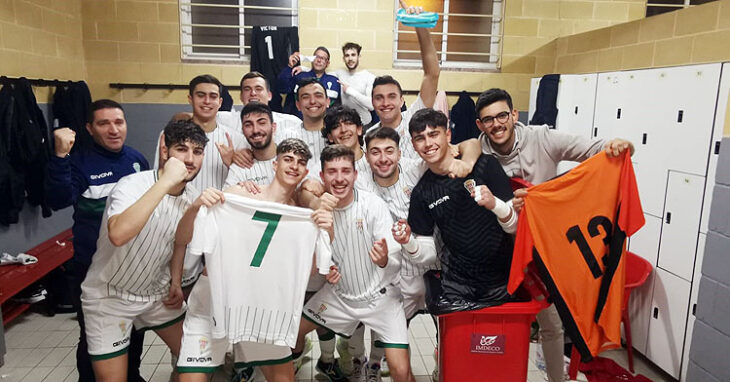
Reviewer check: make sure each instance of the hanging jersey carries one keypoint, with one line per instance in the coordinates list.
(140, 269)
(575, 228)
(259, 257)
(271, 47)
(262, 172)
(357, 227)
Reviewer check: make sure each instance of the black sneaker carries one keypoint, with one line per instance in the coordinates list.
(332, 371)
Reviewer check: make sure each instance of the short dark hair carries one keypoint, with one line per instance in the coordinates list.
(332, 152)
(308, 81)
(338, 114)
(182, 131)
(255, 74)
(101, 104)
(204, 79)
(324, 50)
(351, 45)
(257, 107)
(385, 80)
(427, 118)
(491, 96)
(295, 146)
(382, 133)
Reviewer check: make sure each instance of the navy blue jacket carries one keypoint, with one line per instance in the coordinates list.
(84, 179)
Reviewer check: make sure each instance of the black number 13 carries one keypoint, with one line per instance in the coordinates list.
(575, 235)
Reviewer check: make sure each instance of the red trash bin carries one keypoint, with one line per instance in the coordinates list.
(490, 344)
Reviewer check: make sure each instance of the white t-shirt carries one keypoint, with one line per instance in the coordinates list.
(262, 172)
(283, 123)
(259, 257)
(357, 227)
(140, 269)
(406, 147)
(359, 92)
(364, 181)
(398, 198)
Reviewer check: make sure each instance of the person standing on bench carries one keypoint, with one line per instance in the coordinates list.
(84, 179)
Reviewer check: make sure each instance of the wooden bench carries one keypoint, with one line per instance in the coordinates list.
(14, 278)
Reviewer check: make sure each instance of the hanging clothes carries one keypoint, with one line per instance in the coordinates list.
(271, 47)
(463, 119)
(71, 103)
(547, 99)
(24, 151)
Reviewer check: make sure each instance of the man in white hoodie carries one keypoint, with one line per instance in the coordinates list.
(533, 153)
(357, 85)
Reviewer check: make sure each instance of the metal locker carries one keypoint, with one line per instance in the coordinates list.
(576, 102)
(680, 228)
(692, 307)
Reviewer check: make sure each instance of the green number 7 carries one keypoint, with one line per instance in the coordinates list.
(272, 221)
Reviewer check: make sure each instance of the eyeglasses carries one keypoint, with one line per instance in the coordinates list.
(501, 118)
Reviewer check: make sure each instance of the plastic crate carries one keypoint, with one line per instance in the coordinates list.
(490, 344)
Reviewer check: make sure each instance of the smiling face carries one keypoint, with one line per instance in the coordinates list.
(432, 144)
(109, 128)
(497, 122)
(338, 176)
(290, 168)
(258, 130)
(383, 156)
(351, 59)
(346, 133)
(254, 90)
(205, 100)
(189, 153)
(312, 101)
(321, 61)
(387, 102)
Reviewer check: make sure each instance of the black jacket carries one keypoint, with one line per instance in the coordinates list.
(463, 119)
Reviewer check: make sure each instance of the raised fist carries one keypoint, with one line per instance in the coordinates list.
(64, 139)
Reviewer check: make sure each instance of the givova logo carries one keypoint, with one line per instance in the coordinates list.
(487, 343)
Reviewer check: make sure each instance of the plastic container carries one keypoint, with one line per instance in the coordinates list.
(490, 344)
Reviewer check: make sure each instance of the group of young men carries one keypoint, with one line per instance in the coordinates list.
(385, 205)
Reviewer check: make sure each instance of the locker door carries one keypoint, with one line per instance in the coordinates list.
(694, 292)
(611, 92)
(668, 320)
(534, 84)
(576, 102)
(644, 243)
(687, 97)
(652, 184)
(721, 119)
(681, 224)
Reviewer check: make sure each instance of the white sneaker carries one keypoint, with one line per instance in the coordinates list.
(384, 371)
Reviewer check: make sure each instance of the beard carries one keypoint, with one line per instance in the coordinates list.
(261, 145)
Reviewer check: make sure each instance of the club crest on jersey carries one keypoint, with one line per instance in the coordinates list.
(322, 308)
(470, 185)
(123, 327)
(407, 191)
(359, 224)
(136, 167)
(203, 342)
(316, 315)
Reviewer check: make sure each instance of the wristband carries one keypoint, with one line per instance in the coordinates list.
(411, 246)
(501, 209)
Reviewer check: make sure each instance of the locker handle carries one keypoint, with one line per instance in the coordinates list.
(595, 131)
(694, 309)
(717, 147)
(669, 218)
(656, 313)
(680, 115)
(618, 113)
(643, 139)
(576, 110)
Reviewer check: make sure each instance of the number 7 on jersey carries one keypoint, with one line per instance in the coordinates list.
(272, 221)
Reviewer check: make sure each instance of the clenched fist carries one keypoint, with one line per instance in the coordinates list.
(174, 172)
(64, 139)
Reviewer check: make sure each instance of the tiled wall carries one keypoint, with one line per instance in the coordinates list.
(711, 335)
(41, 38)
